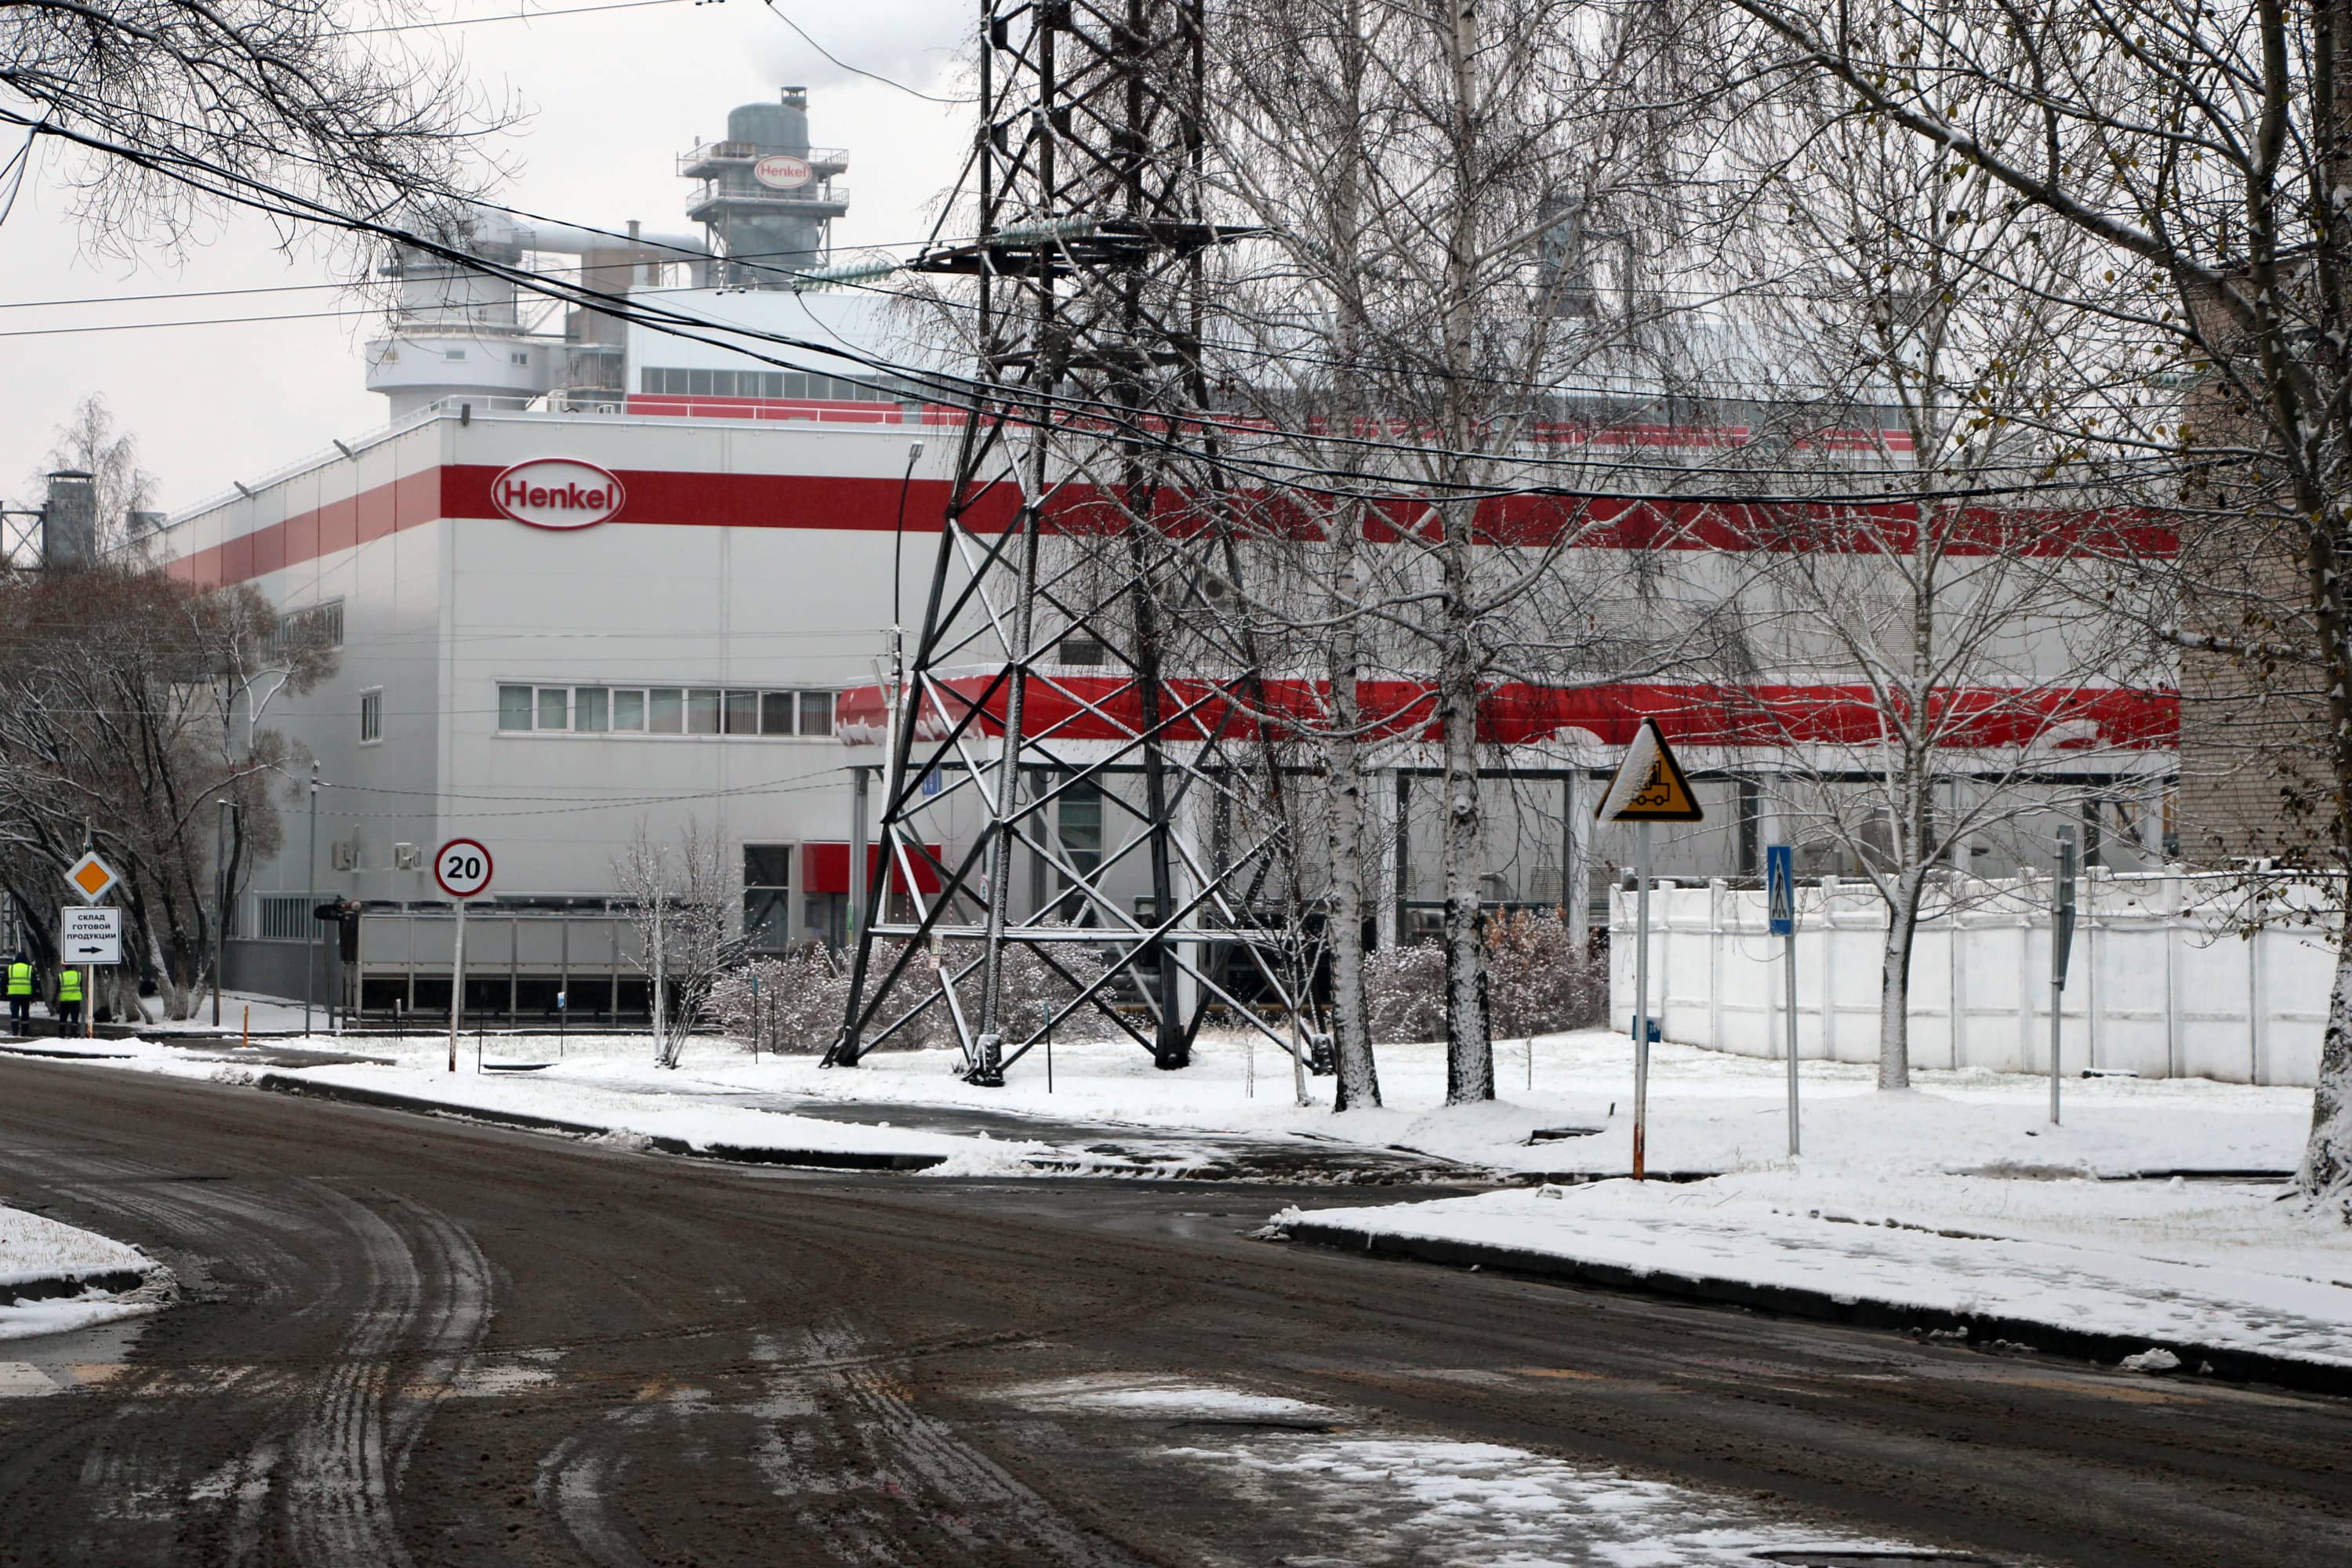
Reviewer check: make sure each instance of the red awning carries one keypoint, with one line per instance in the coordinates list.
(825, 868)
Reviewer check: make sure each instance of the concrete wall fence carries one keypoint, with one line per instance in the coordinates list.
(2160, 983)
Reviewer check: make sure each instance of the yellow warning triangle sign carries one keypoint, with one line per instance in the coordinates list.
(1649, 785)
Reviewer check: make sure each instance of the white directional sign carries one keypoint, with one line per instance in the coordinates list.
(462, 866)
(91, 877)
(88, 937)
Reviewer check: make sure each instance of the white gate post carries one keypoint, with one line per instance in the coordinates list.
(2025, 986)
(1715, 892)
(1829, 968)
(2257, 971)
(2173, 916)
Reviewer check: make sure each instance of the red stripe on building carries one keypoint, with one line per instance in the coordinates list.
(1108, 708)
(677, 498)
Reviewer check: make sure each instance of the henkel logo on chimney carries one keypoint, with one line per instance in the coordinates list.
(556, 492)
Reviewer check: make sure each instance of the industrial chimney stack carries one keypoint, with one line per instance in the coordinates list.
(69, 522)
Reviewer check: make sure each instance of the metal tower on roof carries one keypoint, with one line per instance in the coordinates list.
(1069, 649)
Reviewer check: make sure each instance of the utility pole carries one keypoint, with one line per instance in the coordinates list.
(1086, 274)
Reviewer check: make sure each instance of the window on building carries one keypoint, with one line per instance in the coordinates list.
(649, 380)
(743, 712)
(522, 359)
(371, 715)
(453, 354)
(797, 384)
(1080, 829)
(722, 383)
(666, 710)
(514, 707)
(322, 622)
(767, 894)
(698, 382)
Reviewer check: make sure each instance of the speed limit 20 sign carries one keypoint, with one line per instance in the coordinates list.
(462, 866)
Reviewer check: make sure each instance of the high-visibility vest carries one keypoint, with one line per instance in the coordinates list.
(68, 984)
(20, 979)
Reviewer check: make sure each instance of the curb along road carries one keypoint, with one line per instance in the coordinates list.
(2233, 1365)
(819, 1159)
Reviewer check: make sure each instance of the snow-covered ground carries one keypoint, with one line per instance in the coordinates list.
(2172, 1264)
(1708, 1112)
(1956, 1196)
(628, 1105)
(1386, 1495)
(37, 1252)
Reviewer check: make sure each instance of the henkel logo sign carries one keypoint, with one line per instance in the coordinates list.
(782, 172)
(557, 492)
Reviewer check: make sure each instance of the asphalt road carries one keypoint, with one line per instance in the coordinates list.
(408, 1341)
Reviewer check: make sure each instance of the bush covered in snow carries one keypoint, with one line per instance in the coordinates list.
(802, 997)
(1030, 984)
(795, 1005)
(1404, 992)
(1540, 978)
(1539, 981)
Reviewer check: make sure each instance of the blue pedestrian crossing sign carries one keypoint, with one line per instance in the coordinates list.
(1780, 888)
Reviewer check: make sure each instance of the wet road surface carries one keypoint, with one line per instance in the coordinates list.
(401, 1341)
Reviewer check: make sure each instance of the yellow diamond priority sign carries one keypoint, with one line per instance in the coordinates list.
(91, 877)
(1649, 786)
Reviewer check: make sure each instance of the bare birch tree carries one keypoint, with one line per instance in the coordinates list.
(121, 717)
(88, 442)
(2207, 150)
(1914, 643)
(1400, 330)
(687, 911)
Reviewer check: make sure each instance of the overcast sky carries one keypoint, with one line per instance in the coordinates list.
(613, 97)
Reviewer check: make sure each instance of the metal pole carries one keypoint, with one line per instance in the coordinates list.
(861, 880)
(1789, 967)
(220, 902)
(456, 983)
(1641, 1000)
(310, 876)
(2062, 943)
(2057, 997)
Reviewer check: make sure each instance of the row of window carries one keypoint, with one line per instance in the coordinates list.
(663, 710)
(322, 624)
(660, 380)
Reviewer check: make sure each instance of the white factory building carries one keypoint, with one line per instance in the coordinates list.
(595, 575)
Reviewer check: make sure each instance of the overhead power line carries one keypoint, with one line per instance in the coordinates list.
(1038, 407)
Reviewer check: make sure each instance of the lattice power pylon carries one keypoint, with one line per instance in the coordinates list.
(1070, 654)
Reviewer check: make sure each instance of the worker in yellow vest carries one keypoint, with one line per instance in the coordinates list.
(20, 993)
(68, 1000)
